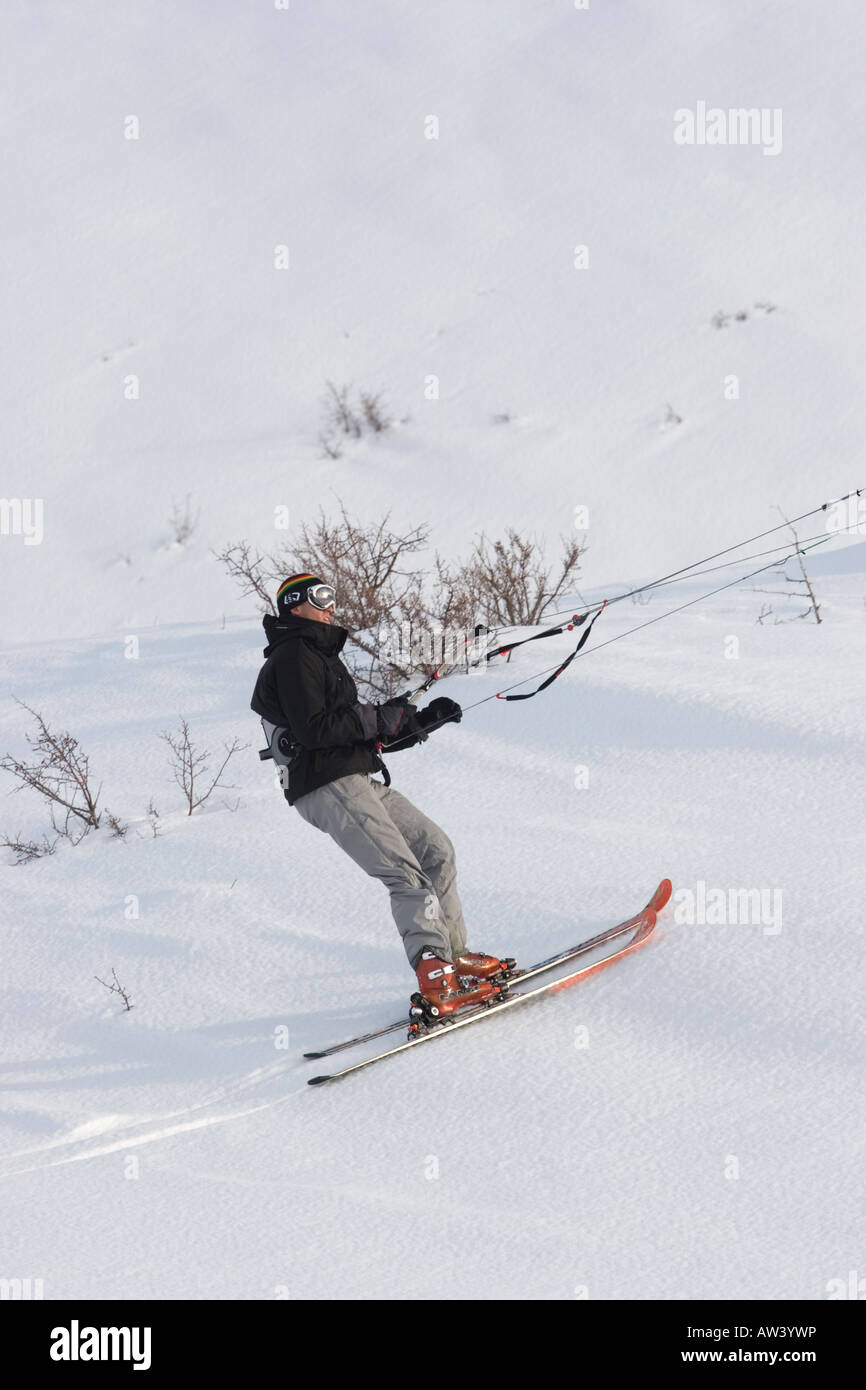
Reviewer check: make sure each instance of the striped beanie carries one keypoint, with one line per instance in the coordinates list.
(293, 591)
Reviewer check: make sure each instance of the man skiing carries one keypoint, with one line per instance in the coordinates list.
(329, 742)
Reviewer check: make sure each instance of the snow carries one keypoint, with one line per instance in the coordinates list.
(704, 1136)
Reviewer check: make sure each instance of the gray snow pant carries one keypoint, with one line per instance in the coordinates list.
(391, 840)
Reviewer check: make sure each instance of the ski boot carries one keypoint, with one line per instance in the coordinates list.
(442, 992)
(477, 966)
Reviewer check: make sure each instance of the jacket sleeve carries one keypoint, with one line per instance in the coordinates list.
(301, 693)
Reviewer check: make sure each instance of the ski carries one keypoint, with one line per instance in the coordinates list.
(656, 903)
(641, 928)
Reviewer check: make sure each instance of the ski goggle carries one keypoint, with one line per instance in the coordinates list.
(321, 596)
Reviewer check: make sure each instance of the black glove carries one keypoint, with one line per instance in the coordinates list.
(394, 721)
(399, 723)
(440, 711)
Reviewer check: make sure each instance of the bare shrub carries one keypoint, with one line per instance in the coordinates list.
(813, 608)
(115, 825)
(254, 573)
(376, 417)
(344, 420)
(370, 567)
(59, 771)
(505, 582)
(27, 850)
(153, 818)
(330, 445)
(190, 767)
(182, 521)
(382, 591)
(458, 598)
(117, 988)
(376, 587)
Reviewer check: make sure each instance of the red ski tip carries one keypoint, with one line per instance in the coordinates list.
(662, 896)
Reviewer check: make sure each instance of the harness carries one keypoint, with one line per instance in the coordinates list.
(281, 746)
(283, 749)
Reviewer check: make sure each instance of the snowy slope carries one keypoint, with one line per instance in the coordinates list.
(716, 1042)
(410, 257)
(708, 1138)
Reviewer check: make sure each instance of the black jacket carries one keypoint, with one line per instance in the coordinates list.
(305, 687)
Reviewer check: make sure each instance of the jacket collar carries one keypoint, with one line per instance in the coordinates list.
(326, 637)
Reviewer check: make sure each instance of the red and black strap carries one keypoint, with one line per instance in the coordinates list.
(577, 621)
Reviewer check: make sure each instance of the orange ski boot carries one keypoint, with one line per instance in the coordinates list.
(477, 966)
(442, 990)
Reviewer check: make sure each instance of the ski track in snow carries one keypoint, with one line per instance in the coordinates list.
(133, 1132)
